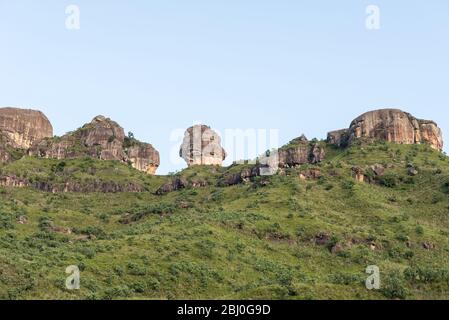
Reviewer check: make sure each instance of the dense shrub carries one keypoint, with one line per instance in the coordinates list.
(393, 287)
(426, 274)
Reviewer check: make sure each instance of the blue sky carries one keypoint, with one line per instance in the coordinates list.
(156, 66)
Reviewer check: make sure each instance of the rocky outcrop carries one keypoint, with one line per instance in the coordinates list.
(310, 174)
(245, 175)
(359, 174)
(103, 139)
(71, 186)
(300, 151)
(88, 187)
(338, 137)
(19, 129)
(202, 146)
(371, 174)
(24, 127)
(392, 125)
(176, 184)
(179, 183)
(13, 181)
(144, 157)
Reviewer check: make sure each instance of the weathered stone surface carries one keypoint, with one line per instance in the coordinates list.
(322, 239)
(243, 176)
(300, 151)
(378, 169)
(23, 127)
(310, 174)
(71, 186)
(370, 174)
(428, 245)
(338, 137)
(104, 139)
(176, 184)
(202, 146)
(392, 125)
(179, 183)
(95, 186)
(411, 171)
(358, 173)
(13, 181)
(144, 157)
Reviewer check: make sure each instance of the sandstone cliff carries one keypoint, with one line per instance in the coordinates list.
(392, 125)
(142, 156)
(202, 146)
(19, 129)
(104, 139)
(300, 151)
(24, 127)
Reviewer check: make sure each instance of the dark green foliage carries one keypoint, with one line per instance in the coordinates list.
(276, 237)
(389, 180)
(393, 286)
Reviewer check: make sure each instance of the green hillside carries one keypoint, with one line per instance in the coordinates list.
(278, 237)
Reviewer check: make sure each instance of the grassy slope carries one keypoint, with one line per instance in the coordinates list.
(244, 241)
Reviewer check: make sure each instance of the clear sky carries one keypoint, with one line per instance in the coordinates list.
(157, 66)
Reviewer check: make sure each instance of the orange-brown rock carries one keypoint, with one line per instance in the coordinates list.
(104, 139)
(23, 127)
(300, 151)
(392, 125)
(19, 128)
(144, 157)
(359, 174)
(338, 137)
(202, 146)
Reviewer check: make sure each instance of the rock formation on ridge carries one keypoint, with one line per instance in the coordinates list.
(19, 129)
(23, 127)
(202, 146)
(103, 139)
(300, 151)
(392, 125)
(297, 152)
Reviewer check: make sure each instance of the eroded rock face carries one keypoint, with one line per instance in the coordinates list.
(202, 146)
(103, 139)
(338, 137)
(23, 127)
(144, 157)
(243, 176)
(300, 151)
(392, 125)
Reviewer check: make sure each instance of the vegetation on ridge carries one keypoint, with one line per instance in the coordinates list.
(285, 238)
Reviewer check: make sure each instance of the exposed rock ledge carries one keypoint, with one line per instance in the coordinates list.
(23, 127)
(392, 125)
(71, 186)
(103, 139)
